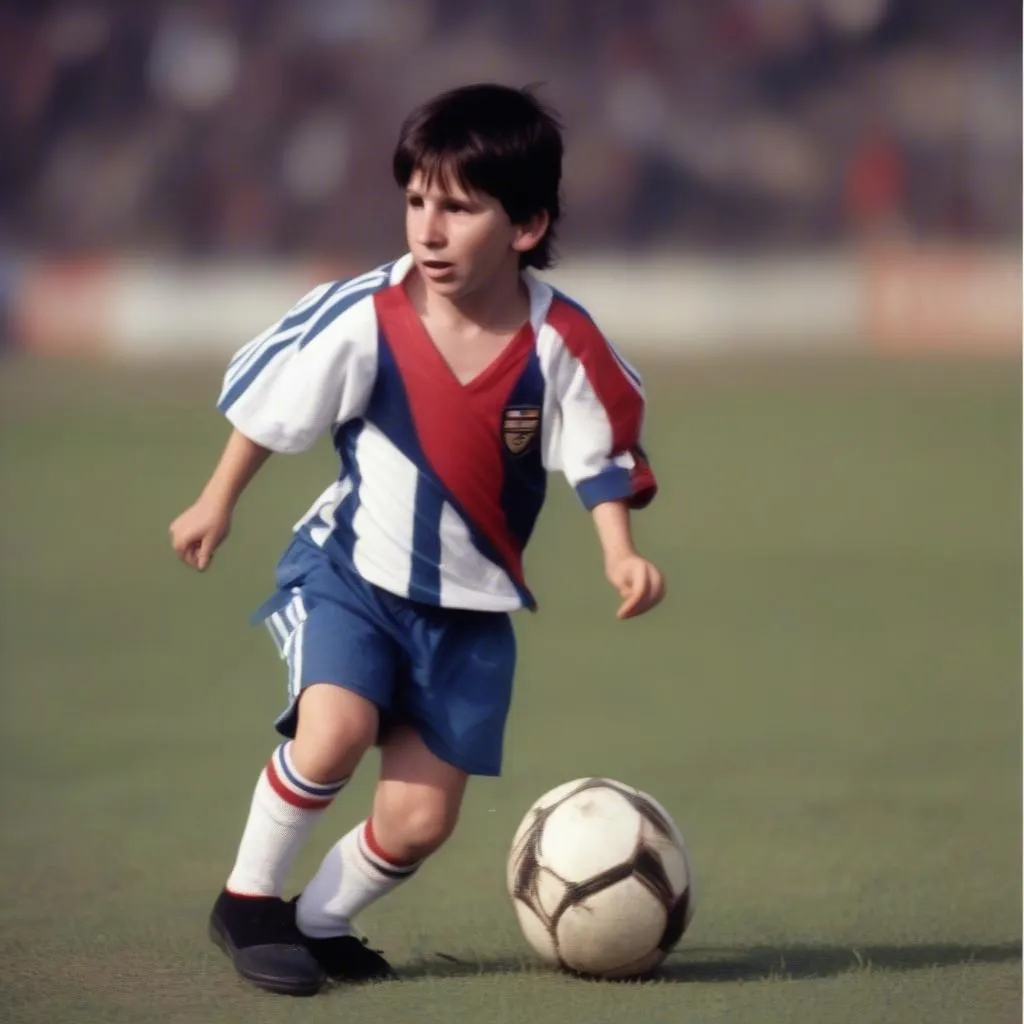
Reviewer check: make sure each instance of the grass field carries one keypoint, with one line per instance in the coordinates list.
(829, 703)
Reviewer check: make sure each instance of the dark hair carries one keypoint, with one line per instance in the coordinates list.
(493, 139)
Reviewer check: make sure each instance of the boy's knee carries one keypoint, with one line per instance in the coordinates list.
(410, 830)
(335, 728)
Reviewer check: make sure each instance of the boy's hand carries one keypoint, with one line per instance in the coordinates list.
(639, 583)
(199, 531)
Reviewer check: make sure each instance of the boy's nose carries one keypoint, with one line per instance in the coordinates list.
(431, 230)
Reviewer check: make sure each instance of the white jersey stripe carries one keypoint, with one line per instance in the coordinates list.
(279, 350)
(307, 301)
(319, 300)
(346, 295)
(253, 351)
(245, 351)
(627, 368)
(284, 330)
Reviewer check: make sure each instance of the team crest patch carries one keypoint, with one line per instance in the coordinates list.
(519, 427)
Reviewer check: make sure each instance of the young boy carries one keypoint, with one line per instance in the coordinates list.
(451, 381)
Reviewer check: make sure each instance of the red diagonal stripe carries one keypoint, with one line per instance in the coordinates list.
(458, 426)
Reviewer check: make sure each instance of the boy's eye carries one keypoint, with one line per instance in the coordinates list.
(417, 202)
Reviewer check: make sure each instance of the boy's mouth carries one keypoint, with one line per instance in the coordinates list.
(436, 264)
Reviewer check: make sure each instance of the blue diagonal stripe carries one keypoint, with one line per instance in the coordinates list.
(332, 312)
(288, 327)
(425, 580)
(300, 315)
(240, 386)
(245, 379)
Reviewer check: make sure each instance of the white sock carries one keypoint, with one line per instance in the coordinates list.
(355, 873)
(284, 809)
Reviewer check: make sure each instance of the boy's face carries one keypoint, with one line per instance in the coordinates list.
(462, 240)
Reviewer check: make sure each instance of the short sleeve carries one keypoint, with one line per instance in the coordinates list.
(599, 410)
(311, 370)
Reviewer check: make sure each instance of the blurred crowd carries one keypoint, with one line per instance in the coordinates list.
(208, 127)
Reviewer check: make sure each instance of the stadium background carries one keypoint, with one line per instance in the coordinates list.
(802, 219)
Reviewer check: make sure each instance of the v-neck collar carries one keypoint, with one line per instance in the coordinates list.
(510, 353)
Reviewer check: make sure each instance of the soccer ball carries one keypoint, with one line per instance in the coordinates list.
(600, 880)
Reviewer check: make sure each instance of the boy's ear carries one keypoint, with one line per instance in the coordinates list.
(529, 234)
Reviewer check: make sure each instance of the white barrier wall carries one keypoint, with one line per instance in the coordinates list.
(699, 305)
(892, 300)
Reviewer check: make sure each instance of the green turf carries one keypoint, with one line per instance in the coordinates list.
(829, 703)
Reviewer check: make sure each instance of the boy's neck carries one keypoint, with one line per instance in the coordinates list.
(499, 307)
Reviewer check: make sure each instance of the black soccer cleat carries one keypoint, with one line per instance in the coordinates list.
(346, 958)
(260, 936)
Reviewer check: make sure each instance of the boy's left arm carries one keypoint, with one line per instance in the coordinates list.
(639, 582)
(594, 438)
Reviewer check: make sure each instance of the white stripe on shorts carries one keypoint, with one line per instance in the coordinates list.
(284, 622)
(295, 660)
(279, 631)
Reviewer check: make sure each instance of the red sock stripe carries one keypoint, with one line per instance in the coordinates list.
(380, 853)
(247, 895)
(289, 796)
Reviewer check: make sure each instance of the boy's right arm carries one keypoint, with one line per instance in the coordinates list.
(199, 530)
(313, 369)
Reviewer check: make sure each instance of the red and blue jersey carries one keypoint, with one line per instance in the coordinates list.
(440, 482)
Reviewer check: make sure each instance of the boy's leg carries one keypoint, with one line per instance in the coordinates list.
(335, 728)
(341, 669)
(418, 797)
(415, 808)
(454, 706)
(250, 921)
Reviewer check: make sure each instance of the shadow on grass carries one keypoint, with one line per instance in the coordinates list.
(825, 961)
(704, 964)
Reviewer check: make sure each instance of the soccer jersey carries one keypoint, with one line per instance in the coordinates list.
(440, 482)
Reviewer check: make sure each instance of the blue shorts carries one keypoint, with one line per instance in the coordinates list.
(447, 671)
